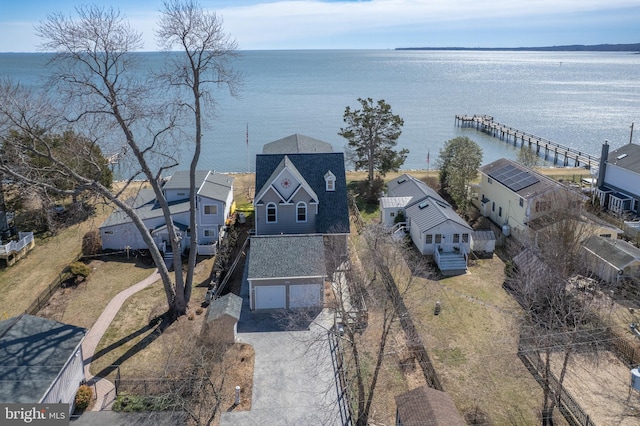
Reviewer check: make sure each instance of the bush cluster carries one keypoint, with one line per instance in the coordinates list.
(91, 243)
(79, 268)
(83, 397)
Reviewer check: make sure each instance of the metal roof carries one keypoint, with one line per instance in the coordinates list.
(147, 208)
(618, 253)
(33, 351)
(296, 144)
(627, 157)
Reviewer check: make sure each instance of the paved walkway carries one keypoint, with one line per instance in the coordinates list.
(104, 389)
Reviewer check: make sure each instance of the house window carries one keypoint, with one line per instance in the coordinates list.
(108, 232)
(438, 238)
(500, 212)
(301, 209)
(465, 238)
(272, 211)
(490, 180)
(493, 206)
(456, 238)
(330, 181)
(181, 193)
(209, 233)
(392, 214)
(428, 239)
(211, 209)
(521, 202)
(605, 235)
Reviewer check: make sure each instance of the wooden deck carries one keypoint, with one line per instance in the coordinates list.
(550, 151)
(15, 250)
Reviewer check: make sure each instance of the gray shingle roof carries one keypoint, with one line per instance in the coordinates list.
(296, 144)
(33, 351)
(282, 256)
(333, 211)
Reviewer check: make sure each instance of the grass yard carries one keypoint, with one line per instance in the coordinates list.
(473, 344)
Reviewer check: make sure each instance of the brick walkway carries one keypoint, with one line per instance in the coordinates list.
(104, 389)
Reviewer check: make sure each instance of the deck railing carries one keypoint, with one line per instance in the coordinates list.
(25, 239)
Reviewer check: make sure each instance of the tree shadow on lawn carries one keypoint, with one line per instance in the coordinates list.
(158, 324)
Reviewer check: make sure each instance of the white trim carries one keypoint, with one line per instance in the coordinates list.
(266, 210)
(298, 205)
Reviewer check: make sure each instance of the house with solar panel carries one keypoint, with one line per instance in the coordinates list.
(513, 196)
(214, 200)
(301, 213)
(434, 226)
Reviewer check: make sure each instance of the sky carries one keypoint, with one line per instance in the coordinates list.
(365, 24)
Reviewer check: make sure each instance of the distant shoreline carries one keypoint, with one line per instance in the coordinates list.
(634, 47)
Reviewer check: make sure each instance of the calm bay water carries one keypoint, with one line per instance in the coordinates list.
(577, 99)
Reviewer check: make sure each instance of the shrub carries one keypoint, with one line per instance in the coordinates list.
(79, 268)
(91, 243)
(83, 397)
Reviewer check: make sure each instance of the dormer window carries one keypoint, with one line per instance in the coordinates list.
(330, 181)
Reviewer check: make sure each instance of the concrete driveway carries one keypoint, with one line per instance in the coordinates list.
(293, 379)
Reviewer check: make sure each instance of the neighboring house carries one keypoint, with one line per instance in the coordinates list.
(221, 323)
(512, 195)
(286, 271)
(618, 185)
(434, 226)
(610, 259)
(300, 203)
(426, 406)
(40, 361)
(214, 198)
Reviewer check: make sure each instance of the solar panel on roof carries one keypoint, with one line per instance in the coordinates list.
(514, 178)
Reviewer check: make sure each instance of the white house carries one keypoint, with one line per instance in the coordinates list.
(434, 226)
(40, 361)
(214, 199)
(618, 186)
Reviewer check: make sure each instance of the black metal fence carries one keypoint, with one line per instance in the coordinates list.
(43, 298)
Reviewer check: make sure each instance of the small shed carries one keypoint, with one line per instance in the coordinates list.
(427, 406)
(483, 243)
(223, 314)
(40, 361)
(612, 259)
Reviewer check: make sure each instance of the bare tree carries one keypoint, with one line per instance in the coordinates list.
(205, 61)
(557, 317)
(98, 88)
(380, 281)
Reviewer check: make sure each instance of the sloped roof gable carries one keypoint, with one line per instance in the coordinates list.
(333, 211)
(33, 351)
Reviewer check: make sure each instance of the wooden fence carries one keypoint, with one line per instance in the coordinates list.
(567, 405)
(342, 383)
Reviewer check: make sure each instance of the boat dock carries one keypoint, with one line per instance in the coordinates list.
(550, 151)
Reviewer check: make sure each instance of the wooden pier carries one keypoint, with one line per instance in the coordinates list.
(550, 151)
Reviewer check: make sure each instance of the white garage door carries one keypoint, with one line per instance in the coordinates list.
(270, 297)
(305, 295)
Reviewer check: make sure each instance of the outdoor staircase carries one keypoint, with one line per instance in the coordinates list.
(452, 263)
(168, 259)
